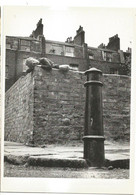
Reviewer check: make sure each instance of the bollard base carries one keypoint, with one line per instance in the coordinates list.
(94, 150)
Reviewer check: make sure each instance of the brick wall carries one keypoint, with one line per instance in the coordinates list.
(69, 60)
(11, 62)
(104, 66)
(58, 107)
(97, 54)
(10, 67)
(79, 39)
(79, 52)
(15, 62)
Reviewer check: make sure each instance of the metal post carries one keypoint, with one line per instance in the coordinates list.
(93, 133)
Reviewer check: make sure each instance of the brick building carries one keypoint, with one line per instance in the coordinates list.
(110, 59)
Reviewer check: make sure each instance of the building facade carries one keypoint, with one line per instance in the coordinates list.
(74, 52)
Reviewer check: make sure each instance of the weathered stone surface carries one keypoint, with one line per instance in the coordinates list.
(117, 154)
(56, 66)
(19, 111)
(37, 104)
(57, 162)
(46, 63)
(66, 121)
(119, 163)
(64, 68)
(31, 62)
(16, 160)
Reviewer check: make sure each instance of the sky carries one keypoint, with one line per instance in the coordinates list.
(61, 22)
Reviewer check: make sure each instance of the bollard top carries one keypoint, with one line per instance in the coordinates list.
(93, 70)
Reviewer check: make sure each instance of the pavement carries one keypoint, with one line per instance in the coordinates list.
(116, 155)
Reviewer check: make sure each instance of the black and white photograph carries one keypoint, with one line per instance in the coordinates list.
(67, 94)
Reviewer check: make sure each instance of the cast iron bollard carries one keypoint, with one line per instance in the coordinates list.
(93, 133)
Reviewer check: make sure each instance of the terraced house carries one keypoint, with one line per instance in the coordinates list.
(74, 52)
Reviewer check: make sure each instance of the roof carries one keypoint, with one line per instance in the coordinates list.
(102, 49)
(62, 43)
(26, 38)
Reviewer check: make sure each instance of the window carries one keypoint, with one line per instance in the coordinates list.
(25, 42)
(25, 45)
(25, 48)
(91, 54)
(104, 55)
(107, 56)
(12, 44)
(91, 57)
(54, 49)
(35, 46)
(8, 46)
(69, 51)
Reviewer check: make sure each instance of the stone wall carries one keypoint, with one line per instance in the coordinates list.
(19, 111)
(116, 106)
(57, 107)
(59, 100)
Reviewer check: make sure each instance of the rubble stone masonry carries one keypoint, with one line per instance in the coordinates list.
(48, 107)
(19, 111)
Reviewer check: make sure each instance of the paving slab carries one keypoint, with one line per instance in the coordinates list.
(63, 155)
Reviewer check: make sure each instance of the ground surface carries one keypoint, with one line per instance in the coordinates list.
(113, 150)
(22, 171)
